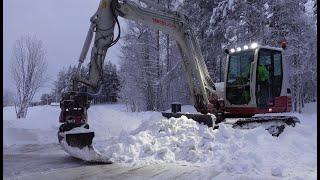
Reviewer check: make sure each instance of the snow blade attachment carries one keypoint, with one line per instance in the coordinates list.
(206, 119)
(87, 153)
(273, 124)
(76, 135)
(79, 140)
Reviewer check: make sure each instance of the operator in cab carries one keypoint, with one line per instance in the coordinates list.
(246, 93)
(263, 78)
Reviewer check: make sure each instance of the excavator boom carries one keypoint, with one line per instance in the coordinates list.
(159, 18)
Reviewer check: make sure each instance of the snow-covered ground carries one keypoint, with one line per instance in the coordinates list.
(144, 138)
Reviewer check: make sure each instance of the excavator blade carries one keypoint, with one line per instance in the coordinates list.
(273, 124)
(78, 143)
(79, 140)
(200, 118)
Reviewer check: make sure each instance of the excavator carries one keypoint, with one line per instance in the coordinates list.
(244, 94)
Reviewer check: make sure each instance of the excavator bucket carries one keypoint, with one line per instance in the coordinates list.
(79, 145)
(79, 140)
(200, 118)
(75, 136)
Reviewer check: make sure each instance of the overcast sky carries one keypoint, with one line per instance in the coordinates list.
(61, 25)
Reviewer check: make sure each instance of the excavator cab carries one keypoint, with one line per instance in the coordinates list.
(255, 81)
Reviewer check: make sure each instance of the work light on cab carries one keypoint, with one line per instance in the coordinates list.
(254, 45)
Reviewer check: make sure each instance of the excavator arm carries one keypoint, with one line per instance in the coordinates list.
(157, 17)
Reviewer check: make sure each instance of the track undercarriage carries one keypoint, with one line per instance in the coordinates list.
(275, 125)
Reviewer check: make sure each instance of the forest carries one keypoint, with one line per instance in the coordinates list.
(151, 75)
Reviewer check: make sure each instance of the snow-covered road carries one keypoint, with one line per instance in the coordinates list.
(145, 145)
(50, 162)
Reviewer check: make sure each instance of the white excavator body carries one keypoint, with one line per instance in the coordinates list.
(241, 96)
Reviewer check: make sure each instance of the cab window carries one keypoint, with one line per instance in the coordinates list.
(238, 77)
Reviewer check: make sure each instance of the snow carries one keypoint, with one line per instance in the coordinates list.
(79, 130)
(40, 126)
(230, 4)
(166, 140)
(55, 104)
(148, 138)
(177, 3)
(86, 153)
(277, 171)
(309, 7)
(187, 109)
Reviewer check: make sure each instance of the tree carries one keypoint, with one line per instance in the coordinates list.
(109, 86)
(139, 72)
(28, 69)
(46, 99)
(59, 85)
(138, 68)
(8, 98)
(290, 22)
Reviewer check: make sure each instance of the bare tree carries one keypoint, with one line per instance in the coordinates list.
(8, 98)
(28, 69)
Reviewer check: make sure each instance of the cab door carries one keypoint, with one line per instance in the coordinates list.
(269, 77)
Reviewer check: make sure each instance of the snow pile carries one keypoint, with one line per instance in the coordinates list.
(108, 120)
(167, 140)
(182, 139)
(235, 151)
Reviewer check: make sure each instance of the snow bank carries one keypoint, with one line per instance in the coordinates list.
(161, 139)
(252, 152)
(108, 120)
(40, 126)
(42, 123)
